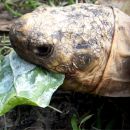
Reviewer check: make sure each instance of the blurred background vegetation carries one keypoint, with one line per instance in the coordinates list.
(19, 7)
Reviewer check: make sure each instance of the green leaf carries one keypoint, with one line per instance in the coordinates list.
(85, 119)
(24, 83)
(74, 122)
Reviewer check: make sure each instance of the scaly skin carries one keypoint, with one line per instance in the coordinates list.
(123, 5)
(75, 40)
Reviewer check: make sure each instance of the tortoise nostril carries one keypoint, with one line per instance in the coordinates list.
(44, 50)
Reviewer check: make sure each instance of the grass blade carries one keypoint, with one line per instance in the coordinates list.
(74, 122)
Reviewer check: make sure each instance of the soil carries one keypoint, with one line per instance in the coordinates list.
(114, 112)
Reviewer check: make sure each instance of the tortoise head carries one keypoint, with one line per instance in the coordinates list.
(68, 40)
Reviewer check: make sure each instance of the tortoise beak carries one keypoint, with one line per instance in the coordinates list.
(20, 34)
(19, 30)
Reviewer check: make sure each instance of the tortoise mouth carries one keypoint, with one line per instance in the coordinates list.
(44, 51)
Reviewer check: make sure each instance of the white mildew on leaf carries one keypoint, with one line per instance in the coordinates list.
(24, 83)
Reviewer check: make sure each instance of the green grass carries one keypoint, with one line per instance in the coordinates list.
(77, 123)
(18, 7)
(4, 45)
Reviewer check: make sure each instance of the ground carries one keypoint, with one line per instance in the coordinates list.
(107, 113)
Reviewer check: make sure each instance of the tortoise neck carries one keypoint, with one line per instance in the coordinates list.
(116, 78)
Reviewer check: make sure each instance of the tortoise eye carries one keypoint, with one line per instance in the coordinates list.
(44, 50)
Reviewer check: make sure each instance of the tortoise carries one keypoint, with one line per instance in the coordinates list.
(88, 43)
(123, 5)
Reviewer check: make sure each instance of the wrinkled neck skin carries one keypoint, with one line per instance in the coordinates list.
(114, 80)
(116, 77)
